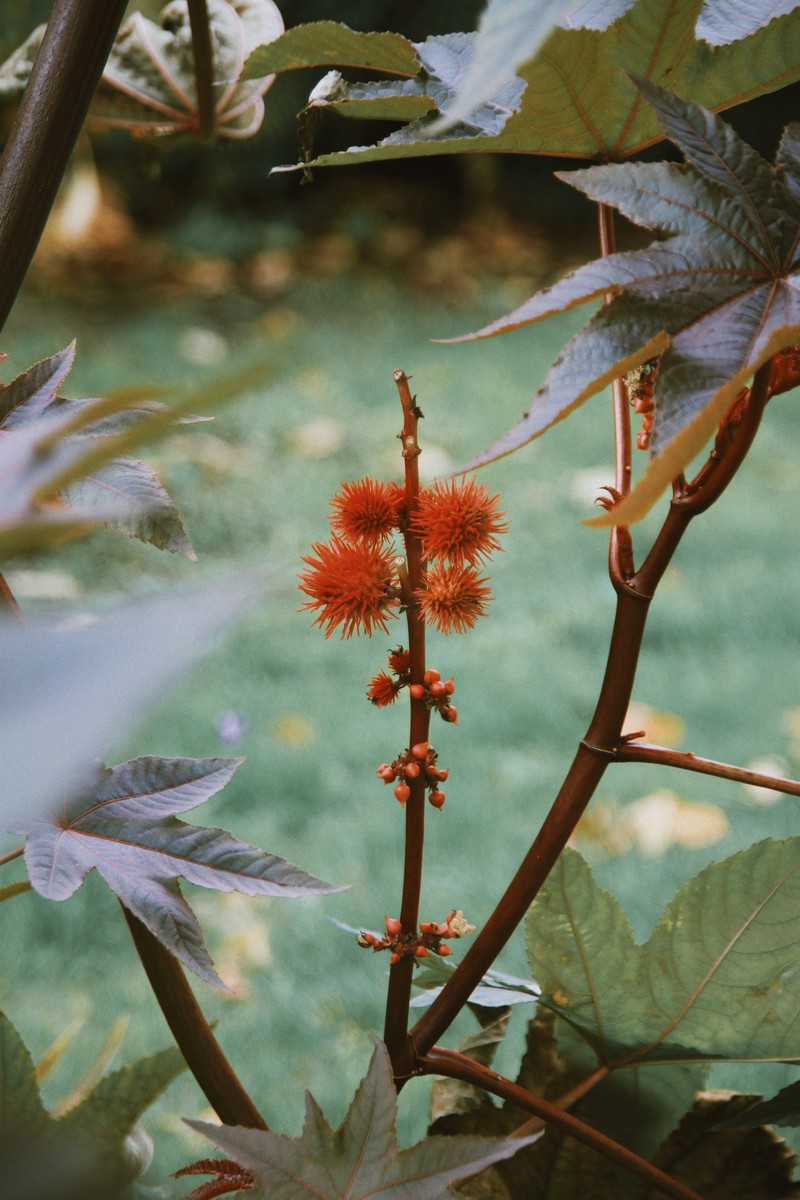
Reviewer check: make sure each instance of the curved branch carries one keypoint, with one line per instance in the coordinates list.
(645, 752)
(219, 1082)
(76, 46)
(457, 1066)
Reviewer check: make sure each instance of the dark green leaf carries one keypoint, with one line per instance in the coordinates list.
(360, 1159)
(783, 1109)
(329, 43)
(113, 1107)
(576, 100)
(124, 827)
(718, 978)
(147, 510)
(453, 1096)
(148, 85)
(716, 299)
(20, 1101)
(734, 1164)
(723, 21)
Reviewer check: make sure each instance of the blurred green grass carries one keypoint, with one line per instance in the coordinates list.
(254, 490)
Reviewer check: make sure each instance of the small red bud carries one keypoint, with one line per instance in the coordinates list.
(426, 926)
(436, 798)
(395, 958)
(438, 690)
(393, 926)
(450, 686)
(431, 676)
(417, 690)
(386, 773)
(450, 714)
(421, 952)
(411, 770)
(420, 751)
(431, 771)
(442, 775)
(642, 440)
(443, 951)
(402, 792)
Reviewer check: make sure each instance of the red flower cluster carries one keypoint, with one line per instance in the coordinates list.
(408, 766)
(353, 581)
(352, 585)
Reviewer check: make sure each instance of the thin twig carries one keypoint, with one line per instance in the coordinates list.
(203, 67)
(219, 1082)
(645, 752)
(566, 1101)
(14, 889)
(8, 602)
(11, 855)
(458, 1066)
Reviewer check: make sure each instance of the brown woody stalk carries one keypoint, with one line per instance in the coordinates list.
(400, 975)
(458, 1066)
(203, 67)
(645, 752)
(195, 1038)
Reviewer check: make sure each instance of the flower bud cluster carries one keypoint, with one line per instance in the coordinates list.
(641, 384)
(384, 688)
(431, 939)
(419, 760)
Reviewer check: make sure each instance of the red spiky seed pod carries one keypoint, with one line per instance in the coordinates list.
(382, 690)
(351, 585)
(400, 660)
(459, 521)
(366, 510)
(452, 597)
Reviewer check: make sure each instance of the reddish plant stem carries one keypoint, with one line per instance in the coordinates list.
(400, 974)
(575, 1093)
(8, 602)
(203, 67)
(600, 745)
(457, 1066)
(68, 67)
(644, 752)
(219, 1082)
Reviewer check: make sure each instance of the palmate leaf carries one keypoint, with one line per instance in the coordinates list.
(148, 85)
(101, 1123)
(124, 827)
(719, 977)
(361, 1158)
(783, 1109)
(121, 493)
(717, 298)
(571, 98)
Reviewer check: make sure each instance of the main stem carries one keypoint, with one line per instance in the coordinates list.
(203, 66)
(194, 1036)
(400, 975)
(68, 67)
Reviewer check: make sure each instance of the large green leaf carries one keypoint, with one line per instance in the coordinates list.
(572, 98)
(125, 828)
(719, 977)
(716, 299)
(783, 1109)
(99, 1126)
(361, 1158)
